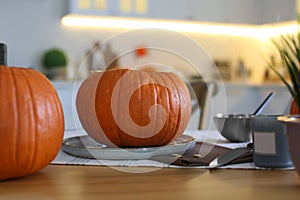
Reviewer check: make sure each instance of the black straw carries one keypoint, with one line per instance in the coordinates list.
(263, 104)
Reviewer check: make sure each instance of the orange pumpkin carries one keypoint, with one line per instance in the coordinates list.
(294, 110)
(131, 108)
(31, 122)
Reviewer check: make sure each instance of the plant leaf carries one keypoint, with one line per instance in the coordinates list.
(281, 78)
(288, 47)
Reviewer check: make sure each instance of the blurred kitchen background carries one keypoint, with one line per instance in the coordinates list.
(236, 36)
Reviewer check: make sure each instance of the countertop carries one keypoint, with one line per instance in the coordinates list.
(100, 182)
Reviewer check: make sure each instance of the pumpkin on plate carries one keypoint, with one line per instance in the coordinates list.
(31, 122)
(133, 108)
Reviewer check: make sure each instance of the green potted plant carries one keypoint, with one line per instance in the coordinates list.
(55, 63)
(288, 47)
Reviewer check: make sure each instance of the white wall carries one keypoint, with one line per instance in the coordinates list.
(30, 27)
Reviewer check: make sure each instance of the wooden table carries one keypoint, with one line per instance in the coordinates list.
(97, 182)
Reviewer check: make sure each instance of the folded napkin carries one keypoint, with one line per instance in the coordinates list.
(191, 157)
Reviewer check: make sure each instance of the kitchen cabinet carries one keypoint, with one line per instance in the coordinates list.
(241, 11)
(166, 9)
(228, 11)
(129, 8)
(273, 11)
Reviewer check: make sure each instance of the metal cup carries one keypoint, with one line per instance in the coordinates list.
(234, 127)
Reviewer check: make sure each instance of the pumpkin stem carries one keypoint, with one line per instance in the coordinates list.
(3, 54)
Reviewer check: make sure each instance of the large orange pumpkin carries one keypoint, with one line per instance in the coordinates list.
(31, 122)
(132, 108)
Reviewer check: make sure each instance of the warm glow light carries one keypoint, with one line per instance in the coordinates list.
(257, 31)
(281, 28)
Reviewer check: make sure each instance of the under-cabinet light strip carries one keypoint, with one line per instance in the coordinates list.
(256, 31)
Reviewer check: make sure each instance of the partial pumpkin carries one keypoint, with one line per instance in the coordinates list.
(294, 110)
(31, 122)
(131, 108)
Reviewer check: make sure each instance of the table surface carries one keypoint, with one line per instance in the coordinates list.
(101, 182)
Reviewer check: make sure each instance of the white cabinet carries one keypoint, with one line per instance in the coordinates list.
(223, 11)
(228, 11)
(130, 8)
(241, 11)
(273, 11)
(166, 9)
